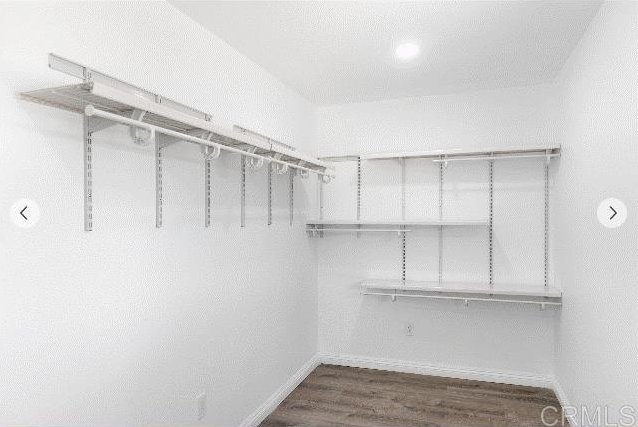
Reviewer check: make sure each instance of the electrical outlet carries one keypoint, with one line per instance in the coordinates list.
(409, 329)
(201, 406)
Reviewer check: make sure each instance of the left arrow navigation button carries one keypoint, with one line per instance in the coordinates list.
(25, 213)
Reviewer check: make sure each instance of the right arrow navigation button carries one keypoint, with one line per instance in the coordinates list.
(612, 213)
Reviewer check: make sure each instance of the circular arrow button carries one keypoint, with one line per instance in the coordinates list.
(25, 213)
(612, 213)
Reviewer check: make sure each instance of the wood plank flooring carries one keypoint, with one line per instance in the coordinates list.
(342, 396)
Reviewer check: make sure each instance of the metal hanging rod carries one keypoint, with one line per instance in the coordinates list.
(90, 111)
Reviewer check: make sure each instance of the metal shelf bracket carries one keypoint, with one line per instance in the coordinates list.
(291, 193)
(88, 174)
(269, 174)
(491, 222)
(403, 255)
(243, 191)
(90, 125)
(210, 154)
(358, 192)
(546, 230)
(161, 142)
(403, 206)
(442, 167)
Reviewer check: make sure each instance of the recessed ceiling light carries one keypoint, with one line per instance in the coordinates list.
(407, 51)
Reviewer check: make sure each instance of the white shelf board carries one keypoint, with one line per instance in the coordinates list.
(451, 154)
(463, 153)
(359, 230)
(122, 99)
(406, 223)
(463, 288)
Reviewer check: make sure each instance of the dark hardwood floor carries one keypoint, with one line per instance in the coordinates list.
(342, 396)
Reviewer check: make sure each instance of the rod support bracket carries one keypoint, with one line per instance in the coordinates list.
(140, 136)
(303, 173)
(252, 162)
(211, 153)
(279, 168)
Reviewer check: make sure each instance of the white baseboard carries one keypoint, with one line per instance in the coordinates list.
(564, 401)
(280, 394)
(516, 378)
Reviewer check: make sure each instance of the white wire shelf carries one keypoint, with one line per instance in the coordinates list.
(450, 155)
(318, 227)
(324, 224)
(401, 223)
(358, 230)
(121, 104)
(464, 291)
(152, 119)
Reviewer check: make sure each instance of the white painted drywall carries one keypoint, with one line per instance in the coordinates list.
(128, 324)
(597, 354)
(483, 336)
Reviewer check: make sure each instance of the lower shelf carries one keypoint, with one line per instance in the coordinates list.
(463, 291)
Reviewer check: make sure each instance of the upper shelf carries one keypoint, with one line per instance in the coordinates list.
(121, 100)
(407, 223)
(457, 154)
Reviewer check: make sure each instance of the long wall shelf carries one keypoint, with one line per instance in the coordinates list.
(317, 227)
(465, 291)
(153, 119)
(415, 223)
(104, 94)
(460, 154)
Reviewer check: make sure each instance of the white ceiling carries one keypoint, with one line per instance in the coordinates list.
(338, 52)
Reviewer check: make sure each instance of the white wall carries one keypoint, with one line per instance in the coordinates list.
(488, 337)
(125, 325)
(597, 361)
